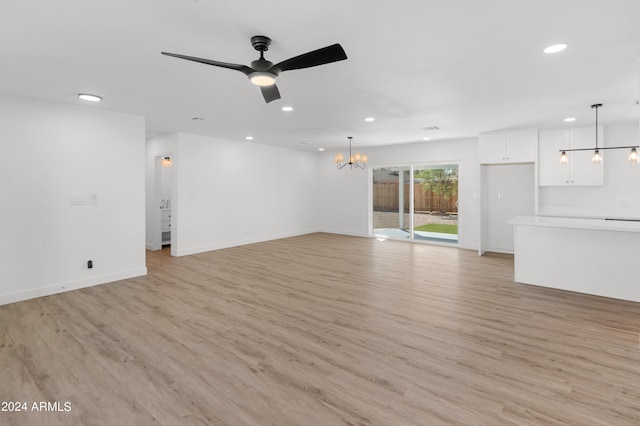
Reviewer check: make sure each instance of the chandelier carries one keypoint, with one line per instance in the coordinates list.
(597, 156)
(358, 160)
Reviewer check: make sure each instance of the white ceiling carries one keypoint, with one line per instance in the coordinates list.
(466, 66)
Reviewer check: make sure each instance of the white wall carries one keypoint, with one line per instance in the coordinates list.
(166, 173)
(52, 153)
(234, 192)
(345, 194)
(620, 194)
(156, 147)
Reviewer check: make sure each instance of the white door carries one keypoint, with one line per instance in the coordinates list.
(510, 192)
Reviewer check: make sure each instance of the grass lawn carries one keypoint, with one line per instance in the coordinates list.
(438, 227)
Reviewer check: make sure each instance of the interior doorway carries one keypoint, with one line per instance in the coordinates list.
(160, 204)
(165, 187)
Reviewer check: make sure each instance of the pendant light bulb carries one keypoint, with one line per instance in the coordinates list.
(597, 157)
(633, 156)
(564, 159)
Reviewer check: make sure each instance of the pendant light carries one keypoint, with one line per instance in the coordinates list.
(563, 158)
(597, 155)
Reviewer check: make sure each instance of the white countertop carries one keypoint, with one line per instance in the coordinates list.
(577, 223)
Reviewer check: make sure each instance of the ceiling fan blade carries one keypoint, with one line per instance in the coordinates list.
(270, 93)
(326, 55)
(242, 68)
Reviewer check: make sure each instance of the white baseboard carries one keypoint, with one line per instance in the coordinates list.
(343, 232)
(48, 290)
(228, 244)
(499, 250)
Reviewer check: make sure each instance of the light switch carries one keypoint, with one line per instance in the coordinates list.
(79, 200)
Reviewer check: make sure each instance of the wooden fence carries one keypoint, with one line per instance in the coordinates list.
(386, 199)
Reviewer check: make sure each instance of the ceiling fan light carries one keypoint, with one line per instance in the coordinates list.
(260, 78)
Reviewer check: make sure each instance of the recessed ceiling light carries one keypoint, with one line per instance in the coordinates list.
(249, 138)
(88, 97)
(570, 119)
(287, 108)
(320, 149)
(369, 119)
(555, 48)
(426, 139)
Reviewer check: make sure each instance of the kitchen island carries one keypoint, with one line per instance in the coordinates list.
(594, 256)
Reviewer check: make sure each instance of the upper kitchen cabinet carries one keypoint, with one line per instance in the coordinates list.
(508, 147)
(580, 170)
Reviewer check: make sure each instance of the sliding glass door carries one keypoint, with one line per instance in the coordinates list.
(416, 202)
(391, 202)
(435, 207)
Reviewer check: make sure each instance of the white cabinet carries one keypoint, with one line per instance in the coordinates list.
(166, 226)
(508, 147)
(580, 171)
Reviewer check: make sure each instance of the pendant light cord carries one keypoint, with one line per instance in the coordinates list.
(596, 106)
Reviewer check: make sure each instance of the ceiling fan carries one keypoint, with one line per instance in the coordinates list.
(263, 73)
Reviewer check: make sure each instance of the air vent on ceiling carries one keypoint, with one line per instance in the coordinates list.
(431, 128)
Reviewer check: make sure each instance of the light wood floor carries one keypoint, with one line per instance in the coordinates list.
(323, 330)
